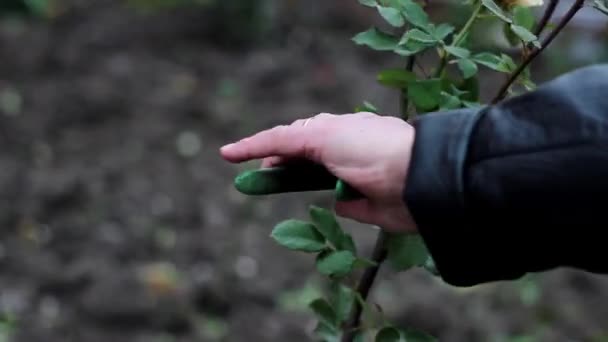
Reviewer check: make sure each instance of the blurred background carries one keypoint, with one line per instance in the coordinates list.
(120, 221)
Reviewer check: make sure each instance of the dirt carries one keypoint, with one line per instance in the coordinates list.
(120, 221)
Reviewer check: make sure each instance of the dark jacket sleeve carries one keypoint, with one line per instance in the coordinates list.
(517, 187)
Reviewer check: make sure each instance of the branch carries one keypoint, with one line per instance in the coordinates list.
(364, 286)
(515, 75)
(404, 103)
(544, 21)
(459, 37)
(379, 254)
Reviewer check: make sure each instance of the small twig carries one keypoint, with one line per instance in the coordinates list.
(515, 75)
(544, 21)
(364, 286)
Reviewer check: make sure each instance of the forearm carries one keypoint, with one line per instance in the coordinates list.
(516, 185)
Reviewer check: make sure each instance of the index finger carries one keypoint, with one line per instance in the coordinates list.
(283, 141)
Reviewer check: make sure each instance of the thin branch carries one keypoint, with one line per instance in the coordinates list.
(404, 102)
(515, 75)
(364, 286)
(544, 21)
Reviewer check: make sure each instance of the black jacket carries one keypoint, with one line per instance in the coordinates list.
(518, 187)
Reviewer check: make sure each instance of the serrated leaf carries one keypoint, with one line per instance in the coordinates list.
(525, 35)
(368, 3)
(298, 235)
(458, 51)
(396, 78)
(467, 67)
(418, 36)
(389, 334)
(442, 31)
(342, 300)
(524, 17)
(338, 263)
(494, 8)
(376, 40)
(406, 251)
(324, 312)
(392, 16)
(425, 94)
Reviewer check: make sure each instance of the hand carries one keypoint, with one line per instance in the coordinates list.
(369, 152)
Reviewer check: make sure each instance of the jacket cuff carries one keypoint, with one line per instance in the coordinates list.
(435, 191)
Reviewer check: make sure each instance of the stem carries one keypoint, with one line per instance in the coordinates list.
(544, 21)
(459, 37)
(364, 286)
(515, 75)
(404, 103)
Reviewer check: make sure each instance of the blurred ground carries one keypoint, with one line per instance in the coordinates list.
(119, 220)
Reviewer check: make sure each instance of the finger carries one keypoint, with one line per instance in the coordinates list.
(360, 210)
(294, 141)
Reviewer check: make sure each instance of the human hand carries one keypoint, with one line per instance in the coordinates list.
(369, 152)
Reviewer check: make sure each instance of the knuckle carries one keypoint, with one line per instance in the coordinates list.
(324, 116)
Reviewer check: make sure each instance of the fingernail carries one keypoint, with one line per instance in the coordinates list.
(227, 147)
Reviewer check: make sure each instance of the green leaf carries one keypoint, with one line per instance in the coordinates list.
(392, 16)
(467, 67)
(601, 5)
(470, 104)
(442, 31)
(324, 312)
(389, 334)
(524, 17)
(458, 51)
(494, 8)
(525, 35)
(471, 87)
(342, 300)
(368, 3)
(298, 235)
(425, 94)
(491, 61)
(406, 251)
(414, 13)
(449, 101)
(327, 333)
(412, 47)
(326, 223)
(411, 335)
(396, 78)
(347, 244)
(418, 36)
(376, 40)
(338, 264)
(366, 107)
(39, 7)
